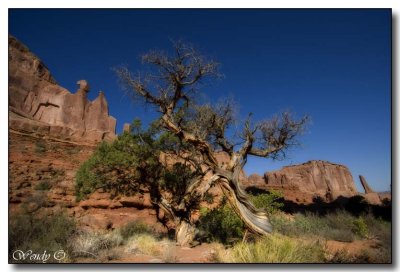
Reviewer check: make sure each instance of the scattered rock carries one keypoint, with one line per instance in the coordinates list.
(372, 198)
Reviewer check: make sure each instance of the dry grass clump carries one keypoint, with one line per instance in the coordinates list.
(143, 243)
(275, 248)
(149, 245)
(89, 244)
(134, 238)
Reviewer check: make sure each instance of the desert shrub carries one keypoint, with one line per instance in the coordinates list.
(57, 174)
(149, 245)
(136, 228)
(98, 169)
(89, 244)
(339, 226)
(124, 166)
(44, 185)
(375, 255)
(40, 147)
(274, 248)
(221, 224)
(379, 229)
(73, 150)
(333, 226)
(209, 198)
(343, 235)
(39, 233)
(371, 255)
(143, 243)
(271, 202)
(360, 228)
(38, 199)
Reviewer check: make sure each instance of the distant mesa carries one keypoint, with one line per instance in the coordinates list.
(255, 180)
(37, 105)
(316, 178)
(325, 179)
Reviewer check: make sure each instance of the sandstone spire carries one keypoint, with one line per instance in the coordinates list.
(365, 185)
(37, 105)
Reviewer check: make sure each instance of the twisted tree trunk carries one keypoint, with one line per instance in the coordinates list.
(255, 220)
(184, 233)
(185, 230)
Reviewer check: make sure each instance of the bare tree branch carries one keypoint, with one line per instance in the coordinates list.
(278, 134)
(171, 86)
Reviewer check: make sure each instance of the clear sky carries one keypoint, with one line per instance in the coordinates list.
(334, 65)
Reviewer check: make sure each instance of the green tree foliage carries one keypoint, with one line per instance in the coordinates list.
(133, 164)
(123, 166)
(271, 202)
(360, 227)
(221, 224)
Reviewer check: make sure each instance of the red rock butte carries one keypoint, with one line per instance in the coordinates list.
(37, 105)
(320, 177)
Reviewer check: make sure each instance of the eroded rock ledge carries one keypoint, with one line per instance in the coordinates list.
(39, 106)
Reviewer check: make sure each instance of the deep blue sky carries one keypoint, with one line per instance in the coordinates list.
(331, 64)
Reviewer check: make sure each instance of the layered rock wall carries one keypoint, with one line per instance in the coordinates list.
(316, 177)
(38, 105)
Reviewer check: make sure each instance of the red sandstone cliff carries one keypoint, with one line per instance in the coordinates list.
(37, 105)
(322, 178)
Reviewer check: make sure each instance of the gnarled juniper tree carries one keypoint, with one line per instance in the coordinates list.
(152, 161)
(170, 85)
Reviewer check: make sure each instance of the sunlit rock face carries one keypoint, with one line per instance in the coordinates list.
(37, 105)
(321, 178)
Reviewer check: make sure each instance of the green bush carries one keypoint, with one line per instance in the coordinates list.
(270, 202)
(39, 233)
(379, 229)
(221, 224)
(43, 185)
(209, 198)
(40, 147)
(118, 166)
(135, 228)
(339, 226)
(360, 228)
(333, 226)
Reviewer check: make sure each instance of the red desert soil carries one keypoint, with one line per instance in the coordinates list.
(200, 254)
(352, 248)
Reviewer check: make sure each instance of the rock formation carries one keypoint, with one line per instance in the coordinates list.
(365, 185)
(370, 195)
(38, 105)
(255, 180)
(321, 178)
